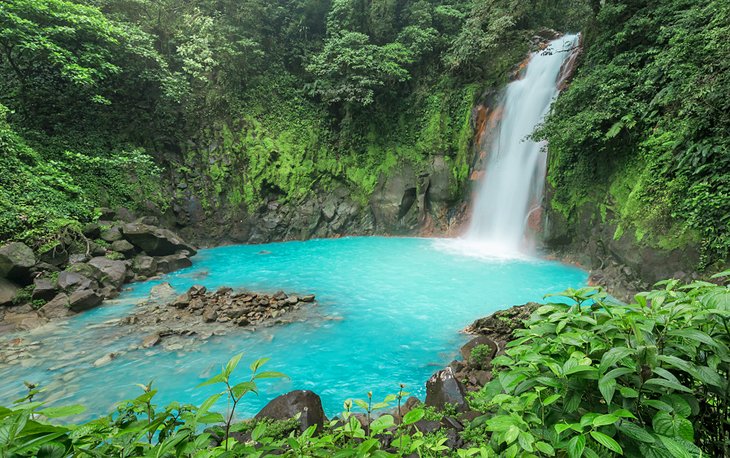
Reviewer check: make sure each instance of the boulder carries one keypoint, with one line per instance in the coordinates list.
(44, 288)
(173, 262)
(57, 307)
(155, 241)
(55, 256)
(443, 388)
(70, 281)
(111, 235)
(91, 230)
(479, 340)
(144, 265)
(124, 247)
(8, 290)
(87, 270)
(84, 299)
(113, 271)
(16, 259)
(288, 405)
(163, 292)
(151, 340)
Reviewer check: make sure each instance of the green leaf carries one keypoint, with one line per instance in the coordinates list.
(674, 447)
(270, 374)
(243, 388)
(636, 432)
(612, 356)
(603, 420)
(258, 363)
(231, 366)
(545, 448)
(511, 434)
(220, 378)
(64, 411)
(607, 387)
(667, 384)
(576, 446)
(413, 416)
(693, 334)
(607, 441)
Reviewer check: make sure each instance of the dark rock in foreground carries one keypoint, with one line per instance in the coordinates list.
(443, 388)
(288, 405)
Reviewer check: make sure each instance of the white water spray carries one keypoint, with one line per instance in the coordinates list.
(515, 172)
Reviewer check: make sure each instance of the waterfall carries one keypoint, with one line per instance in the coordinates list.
(512, 184)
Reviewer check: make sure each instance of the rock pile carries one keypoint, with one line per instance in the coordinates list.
(239, 308)
(176, 322)
(84, 268)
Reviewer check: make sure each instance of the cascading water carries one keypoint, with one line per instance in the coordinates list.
(513, 180)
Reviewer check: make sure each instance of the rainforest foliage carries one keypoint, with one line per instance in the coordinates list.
(586, 377)
(238, 100)
(643, 132)
(243, 98)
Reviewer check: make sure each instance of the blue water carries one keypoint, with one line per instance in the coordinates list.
(389, 311)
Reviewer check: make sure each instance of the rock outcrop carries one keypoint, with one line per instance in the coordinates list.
(304, 403)
(76, 275)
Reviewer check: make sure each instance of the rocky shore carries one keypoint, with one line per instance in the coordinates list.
(201, 313)
(84, 267)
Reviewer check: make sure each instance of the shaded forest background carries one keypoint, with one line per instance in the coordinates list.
(100, 100)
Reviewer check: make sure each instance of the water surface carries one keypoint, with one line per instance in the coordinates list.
(389, 312)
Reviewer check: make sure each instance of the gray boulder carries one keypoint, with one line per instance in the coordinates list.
(288, 405)
(71, 281)
(57, 307)
(44, 288)
(16, 259)
(8, 290)
(111, 235)
(113, 271)
(479, 340)
(443, 388)
(155, 241)
(144, 265)
(124, 247)
(173, 262)
(84, 299)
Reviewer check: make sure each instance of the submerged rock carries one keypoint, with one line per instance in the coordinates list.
(286, 406)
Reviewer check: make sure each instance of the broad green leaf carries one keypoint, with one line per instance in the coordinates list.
(613, 356)
(545, 448)
(667, 384)
(220, 378)
(603, 420)
(64, 411)
(636, 432)
(270, 374)
(674, 447)
(413, 416)
(607, 441)
(693, 334)
(258, 363)
(231, 365)
(607, 387)
(576, 446)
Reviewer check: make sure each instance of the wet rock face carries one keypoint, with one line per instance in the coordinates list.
(409, 199)
(288, 405)
(443, 388)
